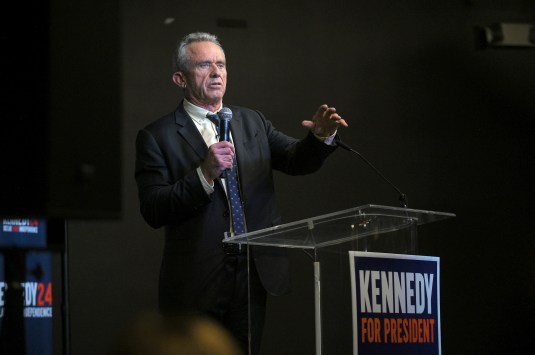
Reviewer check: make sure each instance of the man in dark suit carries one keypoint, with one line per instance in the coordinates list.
(179, 162)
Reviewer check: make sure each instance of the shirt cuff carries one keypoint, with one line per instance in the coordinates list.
(207, 187)
(327, 140)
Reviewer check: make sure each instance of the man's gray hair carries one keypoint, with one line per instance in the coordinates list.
(181, 58)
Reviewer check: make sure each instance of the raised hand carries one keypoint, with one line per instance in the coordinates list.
(325, 121)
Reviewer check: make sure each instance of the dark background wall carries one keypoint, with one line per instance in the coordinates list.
(452, 126)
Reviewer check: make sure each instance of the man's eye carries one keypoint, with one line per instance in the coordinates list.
(204, 65)
(221, 65)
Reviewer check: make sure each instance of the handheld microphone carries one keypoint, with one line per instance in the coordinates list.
(225, 115)
(402, 197)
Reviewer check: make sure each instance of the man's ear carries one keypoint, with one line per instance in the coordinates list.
(179, 79)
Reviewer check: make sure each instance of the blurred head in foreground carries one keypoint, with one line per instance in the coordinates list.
(151, 333)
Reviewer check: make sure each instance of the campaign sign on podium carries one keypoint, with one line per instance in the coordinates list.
(396, 303)
(316, 317)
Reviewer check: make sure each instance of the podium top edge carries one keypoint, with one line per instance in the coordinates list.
(405, 210)
(421, 217)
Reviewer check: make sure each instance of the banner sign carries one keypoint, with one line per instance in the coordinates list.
(23, 233)
(396, 303)
(34, 280)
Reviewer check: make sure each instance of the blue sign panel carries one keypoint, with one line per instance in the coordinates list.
(32, 315)
(396, 303)
(23, 233)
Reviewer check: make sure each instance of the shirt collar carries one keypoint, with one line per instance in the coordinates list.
(198, 114)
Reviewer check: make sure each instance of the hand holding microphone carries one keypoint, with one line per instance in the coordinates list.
(221, 154)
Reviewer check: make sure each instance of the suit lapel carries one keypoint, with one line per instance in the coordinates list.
(238, 137)
(189, 132)
(237, 134)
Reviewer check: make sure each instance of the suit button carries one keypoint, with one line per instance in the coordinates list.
(226, 214)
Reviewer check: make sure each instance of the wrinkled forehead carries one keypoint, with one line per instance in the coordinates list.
(205, 51)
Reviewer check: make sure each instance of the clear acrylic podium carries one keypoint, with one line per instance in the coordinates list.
(316, 316)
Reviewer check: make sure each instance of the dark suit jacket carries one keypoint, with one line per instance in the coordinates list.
(168, 151)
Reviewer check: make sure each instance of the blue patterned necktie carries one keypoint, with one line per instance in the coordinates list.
(236, 207)
(233, 192)
(215, 120)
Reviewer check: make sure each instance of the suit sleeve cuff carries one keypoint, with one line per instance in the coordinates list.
(207, 187)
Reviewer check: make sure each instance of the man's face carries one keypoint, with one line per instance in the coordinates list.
(206, 77)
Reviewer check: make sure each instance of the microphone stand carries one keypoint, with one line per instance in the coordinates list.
(402, 197)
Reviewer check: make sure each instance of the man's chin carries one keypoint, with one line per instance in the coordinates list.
(208, 102)
(215, 98)
(216, 94)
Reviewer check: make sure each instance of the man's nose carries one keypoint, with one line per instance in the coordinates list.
(216, 71)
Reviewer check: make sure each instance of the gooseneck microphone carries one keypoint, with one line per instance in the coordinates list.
(225, 115)
(402, 197)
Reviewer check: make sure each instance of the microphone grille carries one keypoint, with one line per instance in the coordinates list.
(225, 114)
